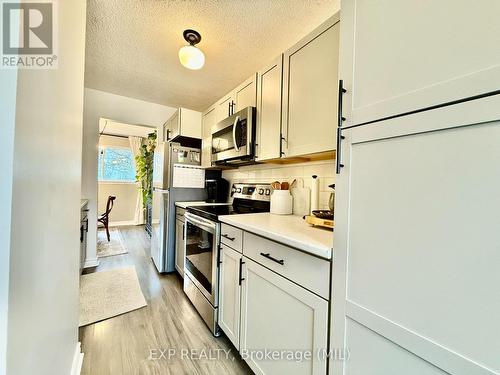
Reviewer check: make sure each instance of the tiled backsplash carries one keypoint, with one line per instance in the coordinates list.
(325, 170)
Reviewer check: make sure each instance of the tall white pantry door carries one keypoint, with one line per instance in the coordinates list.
(416, 287)
(416, 281)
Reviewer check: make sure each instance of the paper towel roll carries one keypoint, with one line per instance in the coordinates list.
(314, 193)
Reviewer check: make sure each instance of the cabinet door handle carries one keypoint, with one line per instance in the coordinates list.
(340, 120)
(219, 256)
(241, 271)
(268, 256)
(227, 237)
(282, 139)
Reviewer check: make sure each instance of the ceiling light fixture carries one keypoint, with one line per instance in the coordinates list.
(190, 56)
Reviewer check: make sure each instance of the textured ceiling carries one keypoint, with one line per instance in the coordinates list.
(132, 45)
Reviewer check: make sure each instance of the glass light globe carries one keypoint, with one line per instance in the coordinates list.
(191, 57)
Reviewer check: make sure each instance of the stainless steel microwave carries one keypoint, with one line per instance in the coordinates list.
(233, 139)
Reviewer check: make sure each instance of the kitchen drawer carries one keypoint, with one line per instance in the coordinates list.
(232, 237)
(306, 270)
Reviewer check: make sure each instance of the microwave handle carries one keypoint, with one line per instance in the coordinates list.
(234, 133)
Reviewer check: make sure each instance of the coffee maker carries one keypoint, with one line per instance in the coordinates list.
(217, 190)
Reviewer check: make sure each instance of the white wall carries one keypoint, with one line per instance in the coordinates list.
(42, 331)
(125, 192)
(99, 104)
(8, 84)
(123, 212)
(325, 170)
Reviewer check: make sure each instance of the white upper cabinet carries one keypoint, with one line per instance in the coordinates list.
(184, 122)
(269, 90)
(401, 56)
(245, 95)
(296, 97)
(310, 92)
(174, 126)
(167, 131)
(208, 121)
(224, 107)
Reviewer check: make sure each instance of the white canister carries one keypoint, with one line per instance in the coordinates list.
(281, 202)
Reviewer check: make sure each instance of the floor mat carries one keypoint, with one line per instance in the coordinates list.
(113, 247)
(106, 294)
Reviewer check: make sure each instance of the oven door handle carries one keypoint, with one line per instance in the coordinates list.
(236, 147)
(209, 227)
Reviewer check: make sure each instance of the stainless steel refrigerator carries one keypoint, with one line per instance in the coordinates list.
(177, 176)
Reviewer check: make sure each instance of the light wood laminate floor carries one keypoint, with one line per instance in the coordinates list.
(122, 345)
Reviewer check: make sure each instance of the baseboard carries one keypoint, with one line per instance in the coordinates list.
(76, 367)
(121, 223)
(94, 262)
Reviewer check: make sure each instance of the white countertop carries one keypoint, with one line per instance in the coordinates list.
(287, 229)
(198, 203)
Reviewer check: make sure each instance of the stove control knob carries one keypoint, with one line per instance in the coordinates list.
(261, 191)
(268, 192)
(238, 190)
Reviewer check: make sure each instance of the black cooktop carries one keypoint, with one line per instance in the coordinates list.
(239, 206)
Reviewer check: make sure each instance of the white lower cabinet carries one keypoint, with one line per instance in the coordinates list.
(284, 319)
(279, 326)
(179, 247)
(229, 292)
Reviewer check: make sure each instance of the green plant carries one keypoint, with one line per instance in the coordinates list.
(144, 164)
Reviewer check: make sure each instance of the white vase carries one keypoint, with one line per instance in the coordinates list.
(281, 202)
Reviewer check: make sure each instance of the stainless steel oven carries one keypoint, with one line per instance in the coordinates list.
(202, 234)
(201, 271)
(233, 139)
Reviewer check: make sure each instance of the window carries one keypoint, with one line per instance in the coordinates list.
(116, 164)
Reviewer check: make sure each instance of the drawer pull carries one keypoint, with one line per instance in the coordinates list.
(268, 256)
(229, 238)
